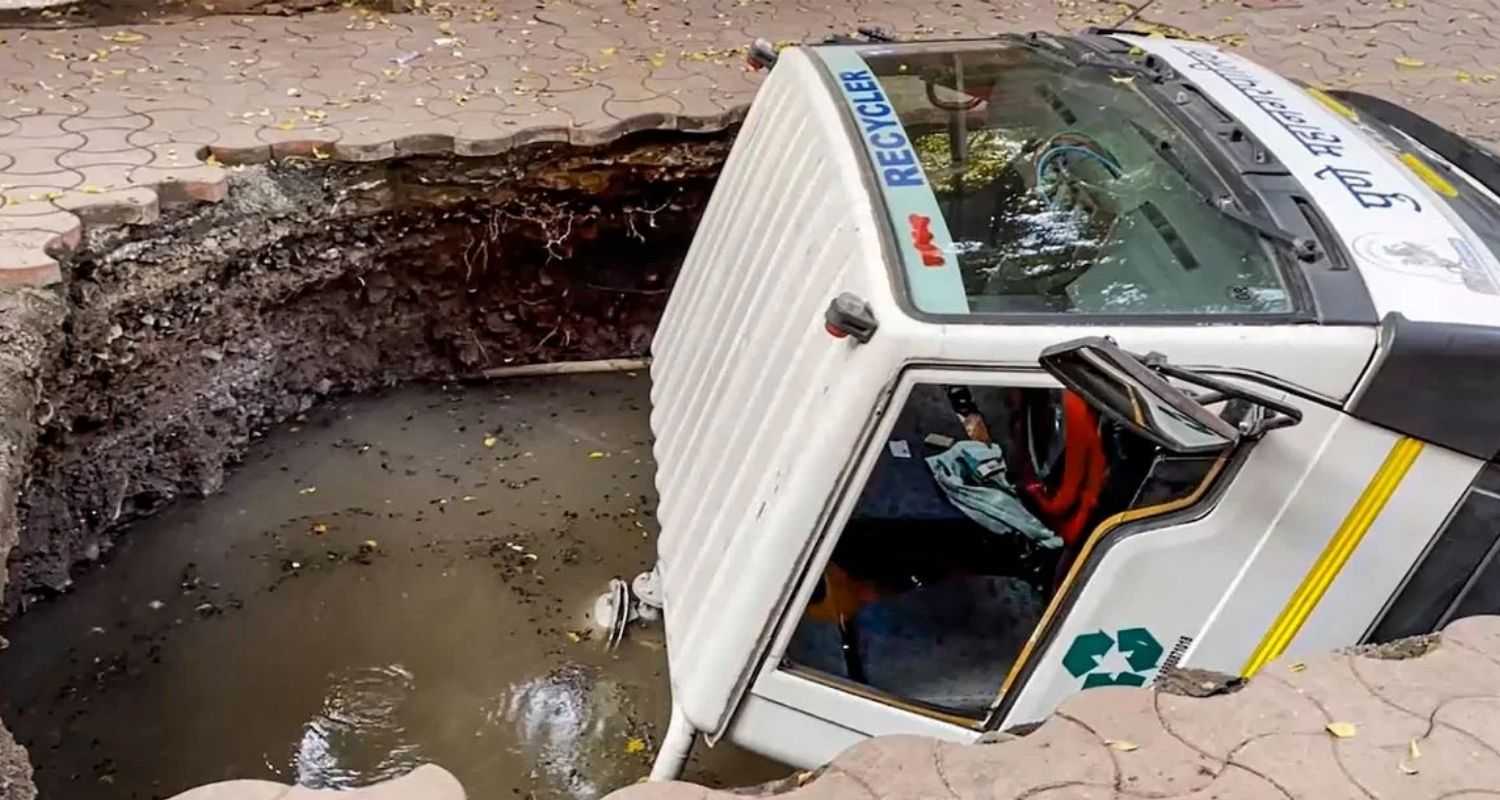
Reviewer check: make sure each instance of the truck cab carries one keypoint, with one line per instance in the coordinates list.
(1000, 370)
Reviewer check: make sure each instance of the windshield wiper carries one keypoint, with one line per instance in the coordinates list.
(1084, 57)
(1303, 248)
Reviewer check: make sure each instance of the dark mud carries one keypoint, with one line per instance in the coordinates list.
(186, 338)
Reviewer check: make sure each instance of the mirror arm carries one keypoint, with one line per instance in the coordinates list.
(1286, 415)
(1209, 398)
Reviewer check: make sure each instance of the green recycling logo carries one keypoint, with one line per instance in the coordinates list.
(1121, 660)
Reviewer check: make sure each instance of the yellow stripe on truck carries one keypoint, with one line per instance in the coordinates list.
(1336, 554)
(1429, 175)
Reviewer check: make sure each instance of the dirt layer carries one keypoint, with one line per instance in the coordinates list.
(186, 338)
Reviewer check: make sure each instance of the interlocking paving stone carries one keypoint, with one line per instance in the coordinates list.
(91, 113)
(1426, 727)
(427, 782)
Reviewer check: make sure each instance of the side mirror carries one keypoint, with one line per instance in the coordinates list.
(1122, 388)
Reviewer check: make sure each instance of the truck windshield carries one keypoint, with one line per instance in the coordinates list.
(1020, 183)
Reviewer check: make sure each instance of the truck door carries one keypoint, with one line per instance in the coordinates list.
(970, 510)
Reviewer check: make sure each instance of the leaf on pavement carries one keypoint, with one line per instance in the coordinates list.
(1123, 745)
(1342, 730)
(1409, 62)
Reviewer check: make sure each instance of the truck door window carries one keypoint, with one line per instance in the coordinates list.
(980, 498)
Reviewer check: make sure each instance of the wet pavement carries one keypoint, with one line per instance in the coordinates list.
(392, 580)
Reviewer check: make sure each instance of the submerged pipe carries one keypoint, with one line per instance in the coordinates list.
(675, 747)
(567, 368)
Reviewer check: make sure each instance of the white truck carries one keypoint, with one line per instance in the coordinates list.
(1003, 369)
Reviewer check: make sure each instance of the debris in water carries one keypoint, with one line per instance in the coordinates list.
(319, 529)
(596, 454)
(368, 546)
(1342, 730)
(489, 441)
(308, 490)
(155, 605)
(635, 744)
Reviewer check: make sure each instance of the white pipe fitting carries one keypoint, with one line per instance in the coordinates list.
(675, 747)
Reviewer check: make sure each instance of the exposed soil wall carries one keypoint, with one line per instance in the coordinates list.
(185, 338)
(175, 344)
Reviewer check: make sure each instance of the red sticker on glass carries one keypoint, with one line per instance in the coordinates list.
(922, 240)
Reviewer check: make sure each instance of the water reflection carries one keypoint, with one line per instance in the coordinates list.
(359, 737)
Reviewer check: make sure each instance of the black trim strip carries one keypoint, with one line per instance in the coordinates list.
(1438, 382)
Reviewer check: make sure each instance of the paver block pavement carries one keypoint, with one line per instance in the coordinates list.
(1425, 726)
(92, 117)
(427, 782)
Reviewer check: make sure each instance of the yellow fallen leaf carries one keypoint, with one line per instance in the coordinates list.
(320, 529)
(91, 189)
(1408, 765)
(1413, 750)
(489, 441)
(308, 490)
(635, 745)
(1342, 730)
(1123, 745)
(371, 544)
(1463, 77)
(608, 51)
(445, 27)
(125, 37)
(212, 161)
(574, 637)
(596, 454)
(287, 124)
(320, 155)
(1297, 667)
(1409, 62)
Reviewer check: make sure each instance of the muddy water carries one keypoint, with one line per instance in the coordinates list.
(393, 580)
